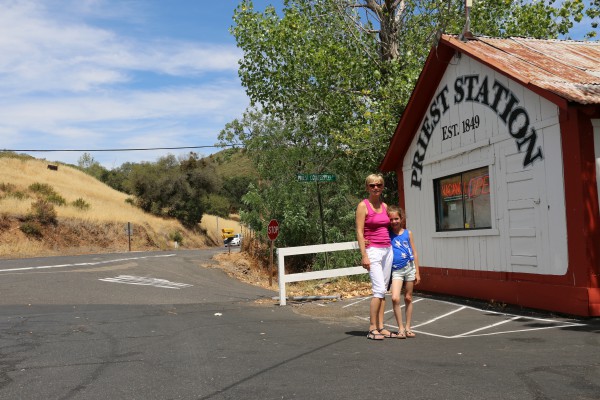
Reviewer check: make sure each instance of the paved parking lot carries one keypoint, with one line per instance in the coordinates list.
(449, 318)
(159, 326)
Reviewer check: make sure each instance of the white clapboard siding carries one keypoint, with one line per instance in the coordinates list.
(529, 227)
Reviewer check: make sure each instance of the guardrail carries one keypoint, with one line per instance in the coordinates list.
(305, 276)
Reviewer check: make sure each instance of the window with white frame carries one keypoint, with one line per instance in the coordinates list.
(462, 201)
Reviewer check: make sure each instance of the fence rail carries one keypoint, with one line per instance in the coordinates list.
(305, 276)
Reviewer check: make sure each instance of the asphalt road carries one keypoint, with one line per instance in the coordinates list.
(162, 326)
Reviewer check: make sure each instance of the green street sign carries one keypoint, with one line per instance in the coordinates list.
(315, 178)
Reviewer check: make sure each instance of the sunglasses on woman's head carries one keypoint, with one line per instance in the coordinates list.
(374, 185)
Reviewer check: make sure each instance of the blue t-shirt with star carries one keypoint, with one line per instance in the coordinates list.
(403, 252)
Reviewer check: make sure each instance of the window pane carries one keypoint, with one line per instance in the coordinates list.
(450, 203)
(463, 201)
(477, 199)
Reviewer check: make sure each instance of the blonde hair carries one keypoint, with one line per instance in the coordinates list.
(374, 178)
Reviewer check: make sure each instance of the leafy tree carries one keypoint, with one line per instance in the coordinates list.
(218, 205)
(90, 166)
(174, 188)
(328, 81)
(234, 188)
(117, 177)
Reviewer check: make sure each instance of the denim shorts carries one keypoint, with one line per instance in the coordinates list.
(407, 273)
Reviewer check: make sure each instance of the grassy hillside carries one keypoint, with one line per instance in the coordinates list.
(97, 226)
(232, 163)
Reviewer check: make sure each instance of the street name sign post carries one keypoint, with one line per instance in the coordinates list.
(318, 178)
(272, 233)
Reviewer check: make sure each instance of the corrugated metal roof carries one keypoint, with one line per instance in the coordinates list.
(570, 69)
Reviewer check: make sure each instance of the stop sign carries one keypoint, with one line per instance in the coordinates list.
(273, 229)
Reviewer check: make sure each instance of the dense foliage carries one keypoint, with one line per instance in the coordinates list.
(328, 81)
(184, 188)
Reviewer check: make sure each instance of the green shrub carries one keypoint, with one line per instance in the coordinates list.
(129, 200)
(9, 190)
(43, 212)
(81, 204)
(31, 228)
(19, 195)
(176, 237)
(42, 188)
(56, 199)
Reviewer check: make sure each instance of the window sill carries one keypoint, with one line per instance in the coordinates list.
(465, 233)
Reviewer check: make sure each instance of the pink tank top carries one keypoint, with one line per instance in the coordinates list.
(377, 227)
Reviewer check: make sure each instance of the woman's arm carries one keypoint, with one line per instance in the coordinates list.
(361, 215)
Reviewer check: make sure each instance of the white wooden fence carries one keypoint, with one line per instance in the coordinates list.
(305, 276)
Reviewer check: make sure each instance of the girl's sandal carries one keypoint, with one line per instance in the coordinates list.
(410, 334)
(374, 335)
(401, 335)
(388, 334)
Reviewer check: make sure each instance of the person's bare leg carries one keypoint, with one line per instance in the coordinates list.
(396, 290)
(374, 317)
(381, 315)
(408, 303)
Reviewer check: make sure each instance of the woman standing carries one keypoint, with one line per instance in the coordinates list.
(372, 233)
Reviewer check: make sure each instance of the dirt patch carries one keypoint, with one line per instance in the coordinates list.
(71, 236)
(243, 267)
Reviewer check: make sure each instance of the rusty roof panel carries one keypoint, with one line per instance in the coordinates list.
(570, 69)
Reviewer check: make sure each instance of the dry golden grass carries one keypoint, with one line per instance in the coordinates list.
(106, 203)
(99, 228)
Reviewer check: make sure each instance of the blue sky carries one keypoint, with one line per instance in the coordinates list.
(108, 74)
(105, 74)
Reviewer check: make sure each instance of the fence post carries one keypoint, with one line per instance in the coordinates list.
(281, 278)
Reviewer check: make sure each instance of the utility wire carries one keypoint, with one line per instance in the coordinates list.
(95, 150)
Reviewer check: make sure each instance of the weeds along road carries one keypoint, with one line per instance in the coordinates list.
(161, 326)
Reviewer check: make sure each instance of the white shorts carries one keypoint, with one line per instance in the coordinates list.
(381, 267)
(407, 273)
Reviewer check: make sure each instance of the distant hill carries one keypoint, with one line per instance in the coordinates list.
(90, 216)
(232, 163)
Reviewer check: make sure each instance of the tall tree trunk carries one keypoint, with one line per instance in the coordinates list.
(389, 13)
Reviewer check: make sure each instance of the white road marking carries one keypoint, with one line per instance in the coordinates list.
(440, 317)
(356, 302)
(145, 281)
(82, 264)
(564, 325)
(473, 333)
(488, 326)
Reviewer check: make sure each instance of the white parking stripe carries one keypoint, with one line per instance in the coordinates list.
(488, 326)
(440, 317)
(356, 302)
(565, 325)
(473, 333)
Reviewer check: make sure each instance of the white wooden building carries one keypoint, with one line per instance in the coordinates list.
(498, 163)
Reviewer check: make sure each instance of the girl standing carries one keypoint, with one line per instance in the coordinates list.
(405, 268)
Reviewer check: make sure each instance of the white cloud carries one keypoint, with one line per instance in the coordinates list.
(41, 52)
(67, 83)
